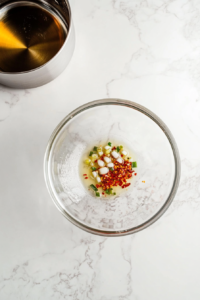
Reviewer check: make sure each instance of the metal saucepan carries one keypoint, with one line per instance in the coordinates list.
(37, 41)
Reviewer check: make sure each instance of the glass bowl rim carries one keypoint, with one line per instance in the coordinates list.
(148, 113)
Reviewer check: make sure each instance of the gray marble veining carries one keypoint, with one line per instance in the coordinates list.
(144, 51)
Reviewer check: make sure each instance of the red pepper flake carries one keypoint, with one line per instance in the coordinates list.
(135, 174)
(118, 177)
(86, 177)
(126, 185)
(84, 174)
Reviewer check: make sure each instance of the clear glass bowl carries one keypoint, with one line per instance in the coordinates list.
(157, 158)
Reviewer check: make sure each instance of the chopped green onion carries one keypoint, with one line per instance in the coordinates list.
(111, 169)
(107, 151)
(108, 191)
(134, 164)
(110, 144)
(93, 168)
(118, 149)
(93, 187)
(94, 157)
(90, 153)
(95, 148)
(87, 161)
(114, 193)
(121, 147)
(97, 194)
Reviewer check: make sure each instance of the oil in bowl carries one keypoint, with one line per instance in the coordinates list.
(30, 35)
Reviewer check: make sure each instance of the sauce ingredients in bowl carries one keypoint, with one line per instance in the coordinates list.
(108, 169)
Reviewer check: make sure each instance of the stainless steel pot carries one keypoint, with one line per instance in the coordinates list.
(37, 41)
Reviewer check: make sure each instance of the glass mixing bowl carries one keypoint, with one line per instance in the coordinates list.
(158, 170)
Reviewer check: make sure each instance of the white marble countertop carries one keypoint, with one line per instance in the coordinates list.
(144, 51)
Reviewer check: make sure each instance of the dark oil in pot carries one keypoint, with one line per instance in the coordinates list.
(30, 35)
